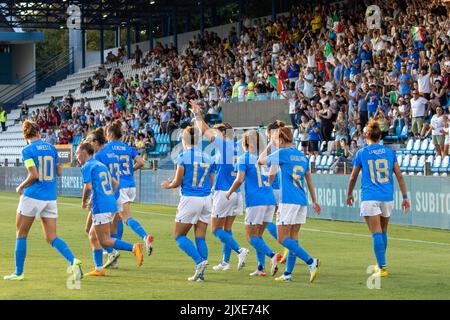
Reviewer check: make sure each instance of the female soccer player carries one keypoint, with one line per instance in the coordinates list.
(377, 163)
(38, 199)
(195, 176)
(259, 200)
(224, 210)
(99, 183)
(129, 162)
(97, 139)
(291, 216)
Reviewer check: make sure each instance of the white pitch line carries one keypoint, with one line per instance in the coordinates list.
(304, 229)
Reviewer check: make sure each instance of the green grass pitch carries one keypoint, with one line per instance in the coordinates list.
(418, 258)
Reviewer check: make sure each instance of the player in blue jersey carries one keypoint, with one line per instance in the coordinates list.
(97, 139)
(259, 199)
(377, 163)
(38, 199)
(98, 196)
(294, 167)
(195, 176)
(130, 161)
(224, 210)
(276, 182)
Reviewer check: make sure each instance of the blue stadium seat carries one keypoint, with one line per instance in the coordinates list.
(405, 163)
(436, 165)
(444, 165)
(409, 146)
(323, 162)
(416, 146)
(420, 164)
(412, 163)
(431, 148)
(423, 147)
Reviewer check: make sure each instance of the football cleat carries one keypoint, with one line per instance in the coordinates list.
(148, 240)
(276, 259)
(76, 269)
(199, 271)
(285, 254)
(13, 277)
(222, 266)
(258, 273)
(242, 256)
(96, 273)
(381, 272)
(313, 269)
(137, 251)
(112, 259)
(284, 278)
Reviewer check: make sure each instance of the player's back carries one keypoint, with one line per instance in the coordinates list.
(258, 191)
(45, 157)
(197, 168)
(293, 166)
(126, 156)
(225, 163)
(96, 173)
(377, 164)
(111, 161)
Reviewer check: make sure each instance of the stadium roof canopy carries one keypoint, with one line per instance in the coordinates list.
(96, 14)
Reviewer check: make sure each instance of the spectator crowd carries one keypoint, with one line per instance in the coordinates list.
(334, 70)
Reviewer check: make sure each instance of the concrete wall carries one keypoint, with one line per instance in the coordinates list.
(255, 113)
(23, 59)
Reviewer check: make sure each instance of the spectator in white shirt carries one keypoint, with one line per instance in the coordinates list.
(424, 83)
(437, 126)
(418, 108)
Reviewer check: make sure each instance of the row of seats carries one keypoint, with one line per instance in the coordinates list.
(425, 146)
(415, 164)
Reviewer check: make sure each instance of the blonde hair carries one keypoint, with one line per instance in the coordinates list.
(191, 136)
(30, 129)
(253, 142)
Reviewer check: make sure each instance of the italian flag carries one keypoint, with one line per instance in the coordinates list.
(329, 54)
(418, 34)
(276, 83)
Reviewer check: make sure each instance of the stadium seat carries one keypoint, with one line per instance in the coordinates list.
(409, 146)
(431, 148)
(323, 162)
(405, 163)
(416, 146)
(412, 164)
(420, 164)
(423, 147)
(444, 165)
(436, 165)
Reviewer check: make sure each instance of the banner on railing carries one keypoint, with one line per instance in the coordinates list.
(65, 153)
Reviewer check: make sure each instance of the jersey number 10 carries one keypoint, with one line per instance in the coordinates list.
(46, 168)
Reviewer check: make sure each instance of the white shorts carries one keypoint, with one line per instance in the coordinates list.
(290, 214)
(276, 193)
(102, 218)
(192, 209)
(30, 207)
(374, 208)
(222, 207)
(259, 215)
(126, 195)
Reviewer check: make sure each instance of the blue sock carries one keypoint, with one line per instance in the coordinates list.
(122, 245)
(136, 227)
(290, 262)
(202, 247)
(268, 252)
(385, 240)
(98, 258)
(188, 247)
(20, 253)
(228, 239)
(378, 248)
(63, 249)
(298, 250)
(110, 249)
(120, 229)
(261, 259)
(226, 250)
(272, 229)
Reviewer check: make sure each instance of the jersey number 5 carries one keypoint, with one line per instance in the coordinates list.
(380, 170)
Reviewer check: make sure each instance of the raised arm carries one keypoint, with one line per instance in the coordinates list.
(206, 130)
